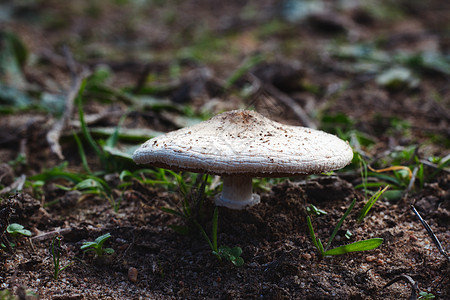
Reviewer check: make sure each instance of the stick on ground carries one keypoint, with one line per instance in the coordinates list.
(55, 132)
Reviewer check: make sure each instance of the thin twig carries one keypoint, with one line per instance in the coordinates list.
(407, 279)
(431, 233)
(411, 182)
(55, 132)
(290, 103)
(94, 118)
(17, 185)
(50, 234)
(434, 166)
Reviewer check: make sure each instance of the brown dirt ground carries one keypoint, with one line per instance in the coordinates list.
(280, 260)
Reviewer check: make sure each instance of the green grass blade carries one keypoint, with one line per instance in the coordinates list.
(441, 166)
(203, 233)
(199, 199)
(57, 174)
(420, 175)
(354, 247)
(161, 175)
(370, 203)
(154, 182)
(187, 207)
(313, 235)
(68, 265)
(321, 250)
(114, 138)
(88, 184)
(395, 181)
(214, 228)
(371, 185)
(84, 127)
(173, 212)
(82, 153)
(363, 166)
(102, 183)
(184, 190)
(126, 175)
(339, 224)
(55, 256)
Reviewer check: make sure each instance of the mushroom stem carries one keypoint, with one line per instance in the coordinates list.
(237, 193)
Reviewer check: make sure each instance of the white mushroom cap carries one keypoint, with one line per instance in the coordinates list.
(242, 144)
(245, 143)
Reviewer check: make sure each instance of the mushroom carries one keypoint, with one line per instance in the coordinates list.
(240, 145)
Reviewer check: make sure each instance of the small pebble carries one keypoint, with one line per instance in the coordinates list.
(413, 238)
(306, 256)
(370, 258)
(132, 274)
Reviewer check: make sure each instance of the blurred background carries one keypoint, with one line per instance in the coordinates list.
(83, 83)
(376, 74)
